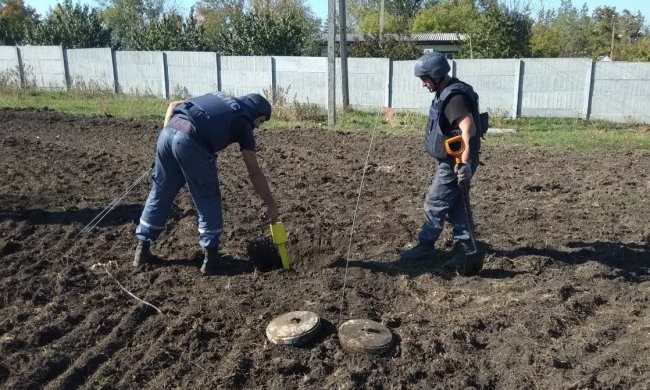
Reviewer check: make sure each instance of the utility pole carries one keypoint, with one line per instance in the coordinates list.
(331, 63)
(381, 18)
(343, 40)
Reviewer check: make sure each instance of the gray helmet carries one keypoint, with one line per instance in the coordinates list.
(433, 65)
(258, 104)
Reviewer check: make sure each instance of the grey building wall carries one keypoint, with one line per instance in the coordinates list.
(140, 72)
(43, 66)
(191, 73)
(90, 69)
(621, 91)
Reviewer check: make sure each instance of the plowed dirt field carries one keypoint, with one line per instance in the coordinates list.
(562, 303)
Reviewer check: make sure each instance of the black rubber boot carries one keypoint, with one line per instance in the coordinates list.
(210, 261)
(463, 260)
(143, 254)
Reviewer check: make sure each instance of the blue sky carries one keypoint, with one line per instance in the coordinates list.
(319, 7)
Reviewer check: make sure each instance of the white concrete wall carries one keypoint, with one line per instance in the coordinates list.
(43, 66)
(561, 87)
(408, 92)
(91, 69)
(554, 87)
(303, 78)
(9, 66)
(621, 92)
(140, 72)
(367, 82)
(193, 73)
(241, 75)
(493, 80)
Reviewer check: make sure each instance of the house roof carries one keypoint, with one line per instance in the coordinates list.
(417, 37)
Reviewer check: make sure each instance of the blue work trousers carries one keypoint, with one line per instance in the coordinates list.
(179, 160)
(444, 200)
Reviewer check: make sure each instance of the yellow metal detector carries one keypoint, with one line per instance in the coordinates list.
(455, 146)
(279, 236)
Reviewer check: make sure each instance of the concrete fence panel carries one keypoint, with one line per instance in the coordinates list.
(368, 80)
(554, 87)
(191, 73)
(302, 78)
(43, 66)
(9, 66)
(140, 73)
(241, 75)
(407, 90)
(493, 80)
(621, 92)
(91, 69)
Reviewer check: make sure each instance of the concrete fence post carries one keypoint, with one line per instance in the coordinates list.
(588, 91)
(66, 69)
(116, 82)
(454, 65)
(516, 95)
(389, 84)
(21, 68)
(273, 76)
(219, 82)
(165, 77)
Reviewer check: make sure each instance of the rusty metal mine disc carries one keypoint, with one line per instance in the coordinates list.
(365, 336)
(293, 328)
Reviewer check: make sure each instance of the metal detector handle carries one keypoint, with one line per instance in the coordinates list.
(455, 146)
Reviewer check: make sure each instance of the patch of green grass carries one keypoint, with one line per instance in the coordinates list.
(560, 133)
(87, 103)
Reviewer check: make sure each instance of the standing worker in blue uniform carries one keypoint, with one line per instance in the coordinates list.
(194, 131)
(454, 111)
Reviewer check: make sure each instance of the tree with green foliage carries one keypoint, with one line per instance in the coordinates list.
(123, 16)
(456, 16)
(625, 28)
(261, 32)
(71, 26)
(171, 32)
(397, 47)
(565, 32)
(363, 15)
(16, 19)
(498, 32)
(282, 27)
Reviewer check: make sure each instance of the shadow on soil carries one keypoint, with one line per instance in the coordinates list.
(121, 214)
(414, 268)
(228, 265)
(630, 258)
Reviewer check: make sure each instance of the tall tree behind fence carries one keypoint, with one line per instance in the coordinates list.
(560, 87)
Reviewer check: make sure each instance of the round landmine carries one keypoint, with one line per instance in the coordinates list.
(365, 336)
(293, 328)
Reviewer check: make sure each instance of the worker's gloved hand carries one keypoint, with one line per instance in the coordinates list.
(272, 213)
(463, 172)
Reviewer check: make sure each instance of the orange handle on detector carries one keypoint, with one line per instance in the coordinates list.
(455, 146)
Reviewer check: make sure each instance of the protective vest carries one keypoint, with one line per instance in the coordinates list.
(434, 138)
(212, 115)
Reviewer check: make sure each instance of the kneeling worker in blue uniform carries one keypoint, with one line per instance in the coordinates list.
(194, 131)
(454, 111)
